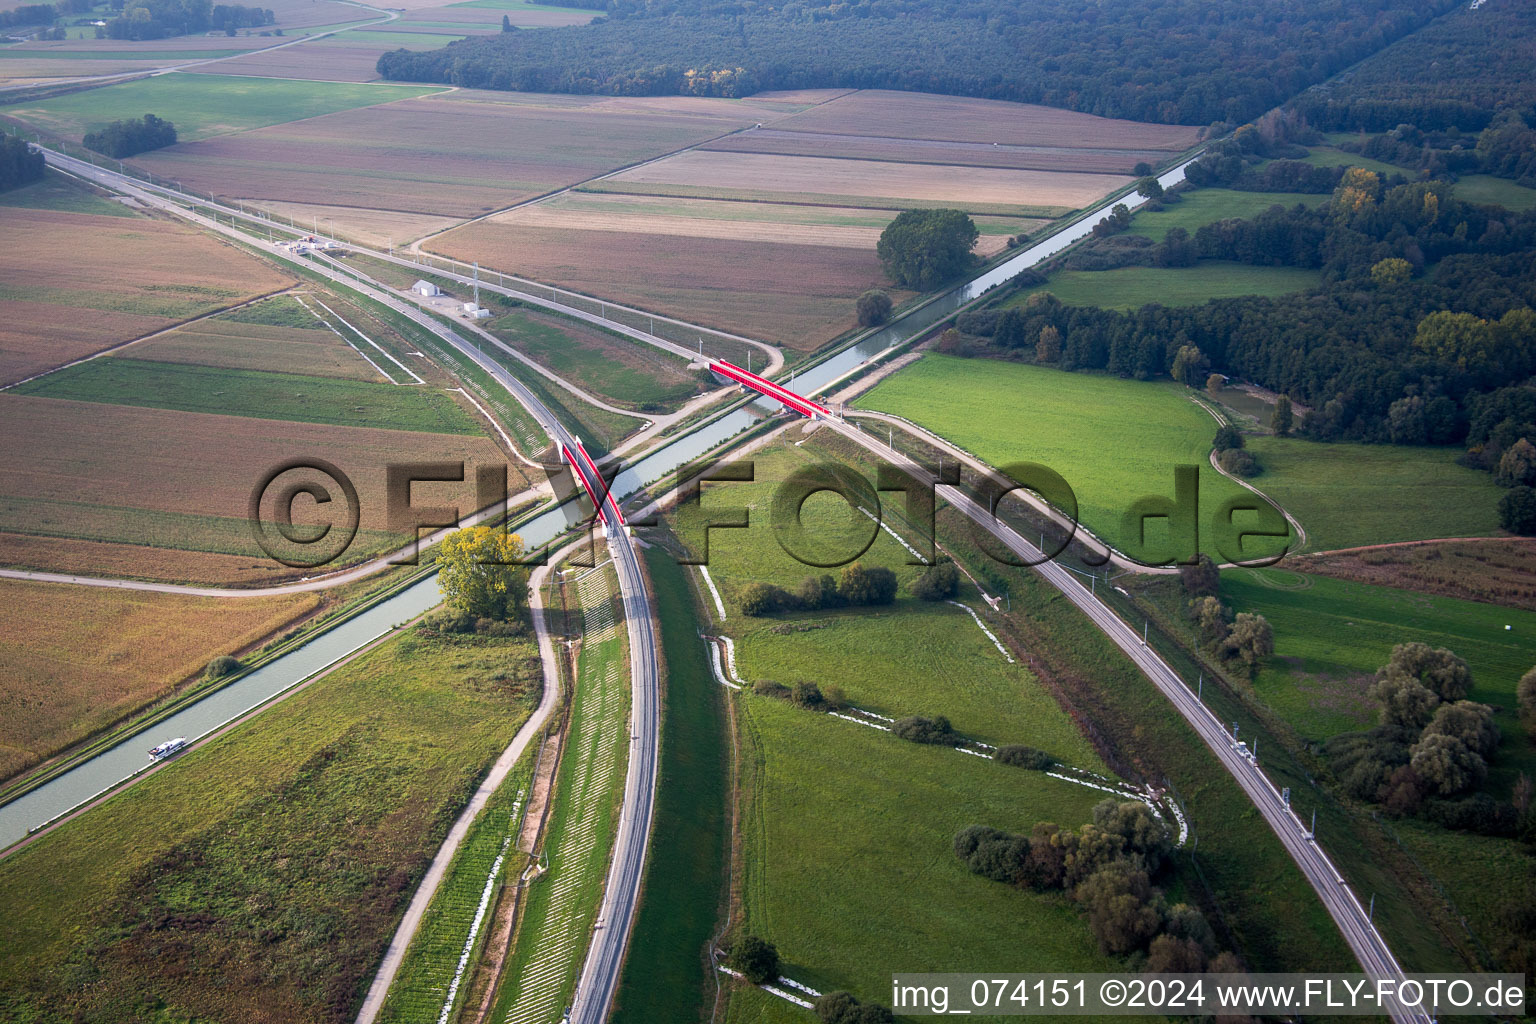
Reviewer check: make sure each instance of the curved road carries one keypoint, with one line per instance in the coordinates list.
(1345, 909)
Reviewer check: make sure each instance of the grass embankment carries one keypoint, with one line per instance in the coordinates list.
(420, 989)
(611, 366)
(557, 913)
(202, 106)
(666, 973)
(1113, 440)
(260, 394)
(289, 847)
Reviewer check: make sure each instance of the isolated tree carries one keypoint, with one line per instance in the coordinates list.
(1517, 511)
(478, 574)
(1391, 271)
(506, 23)
(1189, 365)
(1283, 419)
(1149, 187)
(1517, 466)
(1142, 169)
(921, 249)
(873, 308)
(1048, 348)
(755, 958)
(1227, 436)
(921, 729)
(1447, 765)
(1251, 639)
(1215, 382)
(1468, 721)
(1203, 579)
(1525, 700)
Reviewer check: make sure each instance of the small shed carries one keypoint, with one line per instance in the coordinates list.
(426, 288)
(477, 313)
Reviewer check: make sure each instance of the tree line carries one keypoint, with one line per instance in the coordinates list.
(20, 164)
(1116, 59)
(159, 19)
(130, 136)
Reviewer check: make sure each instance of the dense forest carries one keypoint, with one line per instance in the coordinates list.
(1423, 315)
(158, 19)
(136, 135)
(1117, 58)
(19, 163)
(1458, 73)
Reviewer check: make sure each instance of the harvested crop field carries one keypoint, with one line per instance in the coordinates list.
(792, 175)
(928, 151)
(258, 347)
(135, 561)
(844, 227)
(958, 119)
(76, 283)
(380, 229)
(458, 155)
(87, 471)
(795, 295)
(339, 63)
(99, 654)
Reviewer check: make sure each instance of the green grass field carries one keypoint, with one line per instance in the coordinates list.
(665, 977)
(1131, 288)
(1327, 156)
(1485, 188)
(275, 396)
(849, 868)
(1207, 205)
(290, 846)
(202, 106)
(560, 906)
(613, 367)
(1349, 495)
(278, 311)
(56, 192)
(1331, 636)
(420, 988)
(1113, 440)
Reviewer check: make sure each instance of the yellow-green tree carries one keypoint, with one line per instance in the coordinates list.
(479, 573)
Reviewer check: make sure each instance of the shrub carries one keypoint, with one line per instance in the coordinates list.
(857, 585)
(1123, 911)
(1203, 579)
(843, 1008)
(1135, 823)
(918, 729)
(760, 599)
(834, 697)
(1470, 722)
(1525, 699)
(1239, 462)
(448, 620)
(755, 958)
(873, 308)
(817, 592)
(222, 666)
(808, 695)
(937, 583)
(1517, 511)
(1447, 765)
(1021, 756)
(1478, 813)
(769, 688)
(1227, 437)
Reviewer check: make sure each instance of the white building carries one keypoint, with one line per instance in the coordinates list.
(426, 288)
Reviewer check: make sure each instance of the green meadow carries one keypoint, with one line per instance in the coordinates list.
(202, 106)
(1199, 207)
(1130, 288)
